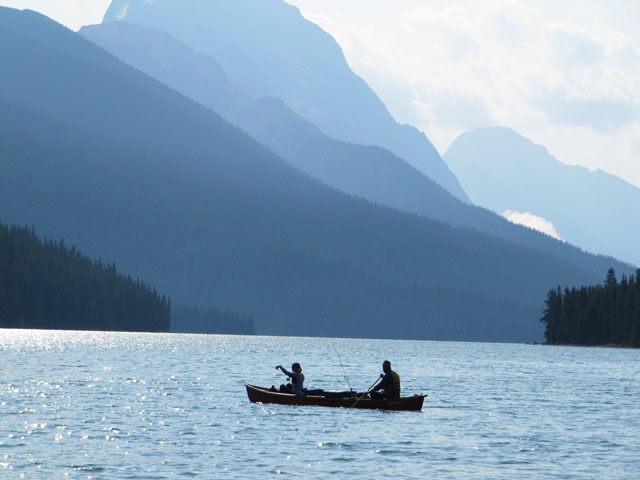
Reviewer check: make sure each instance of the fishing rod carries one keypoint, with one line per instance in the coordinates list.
(368, 390)
(343, 370)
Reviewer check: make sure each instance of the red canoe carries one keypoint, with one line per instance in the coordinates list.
(265, 395)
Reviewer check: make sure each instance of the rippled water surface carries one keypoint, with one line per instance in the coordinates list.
(117, 405)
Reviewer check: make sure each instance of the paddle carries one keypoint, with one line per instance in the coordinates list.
(368, 390)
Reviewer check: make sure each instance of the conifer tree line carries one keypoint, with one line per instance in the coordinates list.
(44, 284)
(607, 314)
(194, 319)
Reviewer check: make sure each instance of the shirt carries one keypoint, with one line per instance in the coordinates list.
(297, 380)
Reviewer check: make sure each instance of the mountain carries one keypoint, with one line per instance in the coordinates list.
(158, 54)
(368, 172)
(502, 170)
(267, 48)
(101, 154)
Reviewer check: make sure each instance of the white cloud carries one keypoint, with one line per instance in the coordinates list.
(532, 221)
(71, 13)
(601, 115)
(564, 74)
(575, 48)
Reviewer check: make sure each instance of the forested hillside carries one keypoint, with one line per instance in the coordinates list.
(595, 315)
(44, 284)
(368, 172)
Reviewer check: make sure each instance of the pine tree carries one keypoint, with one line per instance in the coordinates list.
(600, 314)
(44, 284)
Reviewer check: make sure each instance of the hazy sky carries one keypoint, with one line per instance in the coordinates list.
(564, 74)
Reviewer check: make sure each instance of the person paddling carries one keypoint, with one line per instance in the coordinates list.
(297, 378)
(390, 383)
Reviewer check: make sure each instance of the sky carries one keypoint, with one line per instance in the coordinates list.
(565, 74)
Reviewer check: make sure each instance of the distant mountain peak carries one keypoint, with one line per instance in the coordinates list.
(501, 169)
(267, 48)
(505, 143)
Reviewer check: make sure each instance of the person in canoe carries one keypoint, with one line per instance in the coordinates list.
(297, 378)
(390, 383)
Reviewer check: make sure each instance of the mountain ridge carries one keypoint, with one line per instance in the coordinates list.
(128, 169)
(294, 60)
(504, 170)
(364, 171)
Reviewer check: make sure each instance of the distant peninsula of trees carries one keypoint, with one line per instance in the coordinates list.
(44, 284)
(187, 319)
(606, 314)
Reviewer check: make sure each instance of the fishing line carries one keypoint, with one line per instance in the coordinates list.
(343, 370)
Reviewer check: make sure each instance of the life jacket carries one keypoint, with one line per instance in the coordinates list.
(393, 386)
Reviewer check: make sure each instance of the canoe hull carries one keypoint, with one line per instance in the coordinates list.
(264, 395)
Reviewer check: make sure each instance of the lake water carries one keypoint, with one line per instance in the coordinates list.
(119, 405)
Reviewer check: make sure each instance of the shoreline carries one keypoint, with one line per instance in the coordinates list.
(607, 345)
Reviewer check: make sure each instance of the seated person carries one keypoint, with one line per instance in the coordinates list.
(297, 381)
(390, 383)
(297, 378)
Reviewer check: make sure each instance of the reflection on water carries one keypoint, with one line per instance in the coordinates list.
(123, 405)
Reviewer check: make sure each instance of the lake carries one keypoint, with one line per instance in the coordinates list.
(155, 406)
